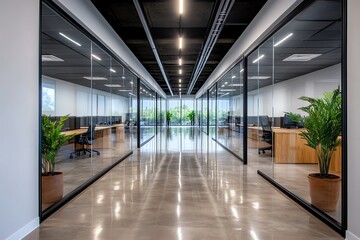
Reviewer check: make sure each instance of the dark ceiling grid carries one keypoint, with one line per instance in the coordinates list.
(162, 17)
(314, 32)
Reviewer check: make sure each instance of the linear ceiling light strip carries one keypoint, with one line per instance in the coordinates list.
(152, 44)
(218, 24)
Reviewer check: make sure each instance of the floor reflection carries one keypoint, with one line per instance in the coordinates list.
(182, 185)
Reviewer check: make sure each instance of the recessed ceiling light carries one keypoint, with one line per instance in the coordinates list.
(180, 89)
(123, 77)
(71, 40)
(179, 80)
(180, 42)
(283, 39)
(301, 57)
(236, 85)
(179, 85)
(226, 82)
(259, 77)
(112, 70)
(112, 85)
(50, 58)
(131, 83)
(256, 60)
(96, 57)
(241, 70)
(181, 6)
(222, 85)
(227, 90)
(125, 90)
(233, 76)
(96, 78)
(180, 61)
(180, 71)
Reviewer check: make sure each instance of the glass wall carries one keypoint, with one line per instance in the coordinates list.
(230, 110)
(204, 113)
(147, 112)
(94, 98)
(187, 112)
(212, 111)
(288, 141)
(174, 112)
(181, 111)
(302, 59)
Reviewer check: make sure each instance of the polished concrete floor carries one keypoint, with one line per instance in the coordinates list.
(293, 177)
(182, 185)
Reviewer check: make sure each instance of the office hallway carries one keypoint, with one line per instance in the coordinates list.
(182, 185)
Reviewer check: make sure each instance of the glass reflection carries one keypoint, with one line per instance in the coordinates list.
(81, 81)
(301, 59)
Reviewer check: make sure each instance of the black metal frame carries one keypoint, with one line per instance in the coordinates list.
(344, 167)
(245, 109)
(138, 116)
(40, 118)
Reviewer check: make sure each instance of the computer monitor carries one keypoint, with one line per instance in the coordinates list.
(288, 123)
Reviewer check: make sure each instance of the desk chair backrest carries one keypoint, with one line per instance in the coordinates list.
(90, 132)
(266, 128)
(265, 123)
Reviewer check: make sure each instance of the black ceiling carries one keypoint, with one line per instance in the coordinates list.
(163, 20)
(316, 30)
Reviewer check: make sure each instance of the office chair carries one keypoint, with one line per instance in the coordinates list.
(267, 133)
(85, 139)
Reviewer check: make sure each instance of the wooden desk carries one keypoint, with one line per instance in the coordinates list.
(102, 135)
(290, 147)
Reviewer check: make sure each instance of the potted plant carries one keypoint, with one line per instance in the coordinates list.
(323, 128)
(169, 115)
(191, 117)
(51, 141)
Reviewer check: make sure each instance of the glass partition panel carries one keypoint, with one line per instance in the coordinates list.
(187, 112)
(204, 113)
(302, 59)
(81, 86)
(230, 110)
(163, 112)
(174, 112)
(212, 111)
(147, 113)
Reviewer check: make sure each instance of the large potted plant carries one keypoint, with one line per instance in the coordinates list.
(51, 141)
(169, 115)
(323, 128)
(191, 117)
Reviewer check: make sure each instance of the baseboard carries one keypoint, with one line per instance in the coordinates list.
(351, 236)
(25, 230)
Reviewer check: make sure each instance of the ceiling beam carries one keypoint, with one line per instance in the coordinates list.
(151, 41)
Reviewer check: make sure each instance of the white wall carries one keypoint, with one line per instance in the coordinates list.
(19, 47)
(353, 116)
(284, 96)
(75, 100)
